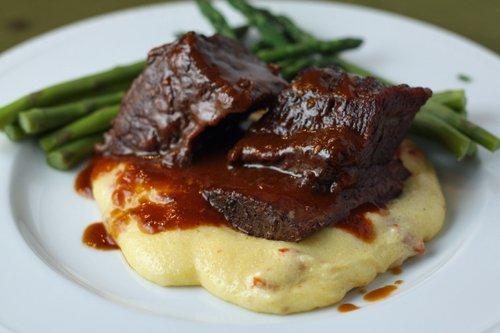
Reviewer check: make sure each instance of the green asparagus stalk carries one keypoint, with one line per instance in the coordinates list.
(259, 46)
(292, 30)
(240, 31)
(114, 88)
(42, 119)
(69, 155)
(454, 99)
(433, 107)
(271, 33)
(63, 91)
(355, 69)
(14, 132)
(289, 69)
(476, 133)
(307, 48)
(449, 99)
(282, 24)
(218, 21)
(440, 106)
(427, 125)
(472, 152)
(95, 122)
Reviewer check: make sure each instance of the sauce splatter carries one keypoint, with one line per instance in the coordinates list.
(396, 270)
(284, 249)
(156, 217)
(398, 282)
(180, 203)
(347, 307)
(358, 224)
(83, 183)
(95, 236)
(380, 293)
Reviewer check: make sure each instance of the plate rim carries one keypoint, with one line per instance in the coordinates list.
(45, 38)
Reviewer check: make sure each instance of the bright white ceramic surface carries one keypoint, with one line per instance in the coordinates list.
(50, 282)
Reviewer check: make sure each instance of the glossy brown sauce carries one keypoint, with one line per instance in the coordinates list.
(396, 270)
(358, 224)
(179, 203)
(95, 236)
(347, 307)
(83, 183)
(380, 293)
(178, 214)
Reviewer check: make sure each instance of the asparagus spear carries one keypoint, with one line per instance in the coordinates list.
(472, 152)
(306, 48)
(95, 122)
(427, 125)
(282, 24)
(42, 119)
(271, 33)
(61, 92)
(476, 133)
(241, 31)
(69, 155)
(114, 88)
(290, 68)
(295, 33)
(454, 99)
(355, 69)
(442, 129)
(259, 46)
(218, 21)
(14, 132)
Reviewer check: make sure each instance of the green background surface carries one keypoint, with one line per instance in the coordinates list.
(478, 20)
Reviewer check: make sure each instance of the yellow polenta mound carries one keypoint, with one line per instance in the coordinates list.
(282, 277)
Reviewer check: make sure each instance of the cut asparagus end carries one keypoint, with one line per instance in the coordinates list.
(473, 131)
(427, 125)
(14, 132)
(454, 99)
(65, 91)
(40, 120)
(71, 154)
(95, 122)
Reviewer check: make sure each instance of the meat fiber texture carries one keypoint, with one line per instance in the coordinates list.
(335, 134)
(192, 89)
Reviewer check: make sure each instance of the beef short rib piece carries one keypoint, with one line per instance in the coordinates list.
(328, 124)
(189, 86)
(336, 136)
(285, 217)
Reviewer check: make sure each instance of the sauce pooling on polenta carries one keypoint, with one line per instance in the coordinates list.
(265, 275)
(179, 203)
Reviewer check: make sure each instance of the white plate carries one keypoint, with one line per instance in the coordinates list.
(49, 281)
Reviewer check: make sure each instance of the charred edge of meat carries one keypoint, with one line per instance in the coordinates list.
(189, 86)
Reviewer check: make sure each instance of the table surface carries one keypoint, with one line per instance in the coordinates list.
(478, 20)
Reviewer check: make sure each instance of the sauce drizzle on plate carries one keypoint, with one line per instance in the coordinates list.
(347, 307)
(83, 182)
(396, 270)
(380, 293)
(95, 236)
(181, 205)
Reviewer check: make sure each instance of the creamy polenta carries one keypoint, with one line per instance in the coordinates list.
(275, 276)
